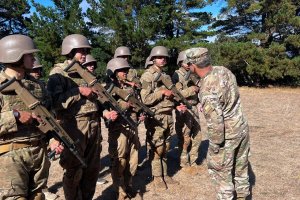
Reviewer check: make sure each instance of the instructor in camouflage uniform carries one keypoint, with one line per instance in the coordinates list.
(77, 108)
(228, 131)
(24, 167)
(187, 124)
(123, 140)
(160, 100)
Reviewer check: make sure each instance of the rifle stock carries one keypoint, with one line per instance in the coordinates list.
(48, 123)
(102, 95)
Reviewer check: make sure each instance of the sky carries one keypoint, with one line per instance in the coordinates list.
(214, 8)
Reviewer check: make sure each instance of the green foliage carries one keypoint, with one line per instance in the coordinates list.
(49, 25)
(259, 40)
(12, 16)
(139, 24)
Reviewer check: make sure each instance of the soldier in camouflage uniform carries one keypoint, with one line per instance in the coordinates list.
(37, 69)
(90, 64)
(132, 76)
(123, 140)
(187, 124)
(159, 99)
(24, 165)
(228, 131)
(77, 108)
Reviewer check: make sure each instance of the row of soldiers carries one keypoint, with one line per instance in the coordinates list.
(76, 106)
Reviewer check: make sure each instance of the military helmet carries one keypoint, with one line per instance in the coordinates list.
(115, 64)
(37, 63)
(181, 57)
(159, 51)
(122, 51)
(74, 41)
(13, 47)
(148, 62)
(89, 59)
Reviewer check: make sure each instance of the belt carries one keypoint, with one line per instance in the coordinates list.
(17, 145)
(88, 117)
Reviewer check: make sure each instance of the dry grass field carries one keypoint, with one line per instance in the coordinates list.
(274, 120)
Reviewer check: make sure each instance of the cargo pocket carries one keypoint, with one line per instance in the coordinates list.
(216, 161)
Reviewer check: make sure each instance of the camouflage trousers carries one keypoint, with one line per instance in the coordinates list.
(123, 150)
(159, 140)
(80, 183)
(24, 173)
(187, 128)
(229, 168)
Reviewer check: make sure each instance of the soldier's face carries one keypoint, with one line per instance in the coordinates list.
(28, 60)
(36, 73)
(122, 74)
(185, 66)
(80, 54)
(160, 61)
(90, 67)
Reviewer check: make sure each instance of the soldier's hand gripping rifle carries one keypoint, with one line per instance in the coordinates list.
(137, 104)
(170, 86)
(47, 123)
(102, 95)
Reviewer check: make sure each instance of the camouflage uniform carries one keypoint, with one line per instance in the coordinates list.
(227, 128)
(187, 124)
(158, 136)
(123, 147)
(24, 165)
(80, 118)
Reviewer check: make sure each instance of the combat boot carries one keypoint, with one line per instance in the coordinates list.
(122, 196)
(170, 181)
(158, 183)
(184, 159)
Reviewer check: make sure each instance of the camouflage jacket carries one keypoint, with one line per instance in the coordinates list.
(151, 93)
(130, 112)
(10, 129)
(220, 100)
(64, 89)
(183, 82)
(132, 76)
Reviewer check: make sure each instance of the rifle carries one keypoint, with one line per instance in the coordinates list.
(102, 95)
(48, 123)
(170, 86)
(137, 104)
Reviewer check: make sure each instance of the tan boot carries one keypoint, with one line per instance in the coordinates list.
(158, 183)
(122, 196)
(170, 181)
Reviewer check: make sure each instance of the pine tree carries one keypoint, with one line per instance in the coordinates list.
(49, 25)
(12, 16)
(274, 26)
(142, 24)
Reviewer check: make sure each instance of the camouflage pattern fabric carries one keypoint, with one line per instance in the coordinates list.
(123, 147)
(187, 125)
(80, 118)
(158, 137)
(24, 171)
(132, 76)
(227, 133)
